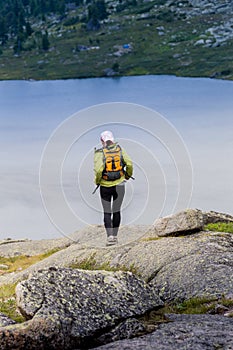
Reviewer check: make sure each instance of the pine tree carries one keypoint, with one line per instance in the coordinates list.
(29, 30)
(45, 41)
(3, 30)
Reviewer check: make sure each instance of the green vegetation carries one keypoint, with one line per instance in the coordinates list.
(220, 227)
(8, 303)
(47, 39)
(7, 292)
(191, 306)
(18, 263)
(85, 264)
(148, 239)
(197, 305)
(194, 306)
(91, 264)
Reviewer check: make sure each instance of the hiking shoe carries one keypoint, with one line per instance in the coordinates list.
(111, 240)
(115, 239)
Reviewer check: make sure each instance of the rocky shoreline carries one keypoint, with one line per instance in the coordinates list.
(70, 300)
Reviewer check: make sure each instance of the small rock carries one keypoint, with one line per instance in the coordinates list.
(219, 310)
(187, 221)
(4, 267)
(199, 42)
(109, 72)
(5, 320)
(229, 313)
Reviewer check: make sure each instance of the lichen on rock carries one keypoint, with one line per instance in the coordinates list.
(69, 307)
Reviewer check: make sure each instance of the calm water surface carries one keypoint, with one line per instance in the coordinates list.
(199, 110)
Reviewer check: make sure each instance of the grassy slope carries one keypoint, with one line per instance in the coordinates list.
(173, 52)
(7, 292)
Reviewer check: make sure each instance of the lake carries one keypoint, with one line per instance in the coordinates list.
(178, 131)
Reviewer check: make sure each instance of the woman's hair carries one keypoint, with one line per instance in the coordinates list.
(109, 142)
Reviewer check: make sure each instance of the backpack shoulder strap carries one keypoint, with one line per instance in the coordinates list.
(98, 150)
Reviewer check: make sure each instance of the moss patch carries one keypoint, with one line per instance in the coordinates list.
(148, 239)
(91, 264)
(18, 263)
(192, 306)
(220, 227)
(8, 303)
(197, 305)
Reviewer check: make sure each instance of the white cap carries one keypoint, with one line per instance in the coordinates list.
(106, 136)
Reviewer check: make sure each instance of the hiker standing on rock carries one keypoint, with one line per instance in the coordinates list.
(112, 167)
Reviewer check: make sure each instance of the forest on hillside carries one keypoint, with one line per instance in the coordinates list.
(51, 39)
(17, 17)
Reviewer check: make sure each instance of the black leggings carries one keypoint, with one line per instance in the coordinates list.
(112, 214)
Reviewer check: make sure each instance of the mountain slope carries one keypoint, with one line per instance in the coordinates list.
(113, 38)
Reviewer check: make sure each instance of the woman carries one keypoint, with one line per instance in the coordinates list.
(112, 167)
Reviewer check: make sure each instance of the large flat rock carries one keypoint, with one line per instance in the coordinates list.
(91, 236)
(13, 248)
(68, 308)
(179, 267)
(72, 309)
(184, 332)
